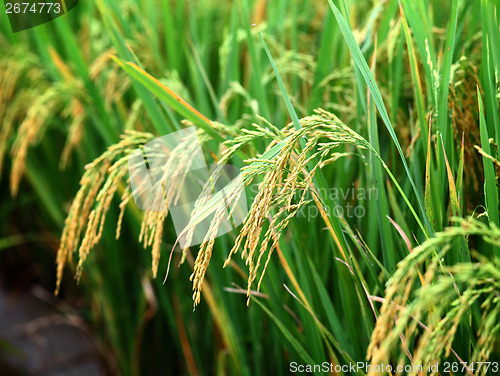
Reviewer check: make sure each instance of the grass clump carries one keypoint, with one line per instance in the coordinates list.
(412, 313)
(407, 98)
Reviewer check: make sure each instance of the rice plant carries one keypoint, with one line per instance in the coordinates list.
(367, 138)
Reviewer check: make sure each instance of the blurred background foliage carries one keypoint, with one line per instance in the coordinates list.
(63, 101)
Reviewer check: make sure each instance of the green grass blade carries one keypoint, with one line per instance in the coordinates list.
(490, 182)
(388, 252)
(154, 111)
(416, 80)
(370, 81)
(288, 335)
(168, 96)
(442, 110)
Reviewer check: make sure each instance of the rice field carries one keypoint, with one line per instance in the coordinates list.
(365, 134)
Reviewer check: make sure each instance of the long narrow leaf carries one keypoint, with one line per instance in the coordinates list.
(360, 62)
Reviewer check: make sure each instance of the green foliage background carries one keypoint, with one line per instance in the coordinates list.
(418, 79)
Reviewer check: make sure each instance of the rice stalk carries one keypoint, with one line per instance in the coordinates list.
(285, 187)
(19, 71)
(58, 99)
(91, 203)
(99, 184)
(405, 309)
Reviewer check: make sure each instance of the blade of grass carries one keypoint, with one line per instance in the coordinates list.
(428, 194)
(442, 110)
(256, 72)
(168, 96)
(490, 183)
(154, 111)
(423, 38)
(388, 252)
(416, 80)
(318, 179)
(456, 211)
(370, 81)
(490, 66)
(288, 335)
